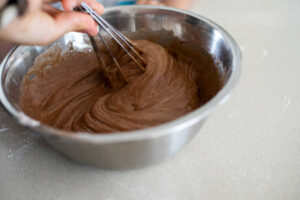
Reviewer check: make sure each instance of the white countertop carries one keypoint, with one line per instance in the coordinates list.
(248, 149)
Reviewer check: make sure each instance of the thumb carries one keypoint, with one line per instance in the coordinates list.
(74, 21)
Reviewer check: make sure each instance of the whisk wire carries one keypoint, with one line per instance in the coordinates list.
(127, 41)
(101, 59)
(107, 28)
(118, 37)
(114, 59)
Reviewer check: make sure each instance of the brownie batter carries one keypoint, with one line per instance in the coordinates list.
(68, 90)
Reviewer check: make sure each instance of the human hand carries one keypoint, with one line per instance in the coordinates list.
(182, 4)
(150, 2)
(42, 24)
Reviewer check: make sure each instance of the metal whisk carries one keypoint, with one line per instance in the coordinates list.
(120, 39)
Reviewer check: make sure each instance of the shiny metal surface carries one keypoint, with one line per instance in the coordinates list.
(139, 148)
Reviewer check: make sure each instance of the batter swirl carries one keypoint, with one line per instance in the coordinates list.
(69, 92)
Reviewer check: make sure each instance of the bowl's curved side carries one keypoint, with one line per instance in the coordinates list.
(129, 154)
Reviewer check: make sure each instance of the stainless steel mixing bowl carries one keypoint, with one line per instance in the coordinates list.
(133, 149)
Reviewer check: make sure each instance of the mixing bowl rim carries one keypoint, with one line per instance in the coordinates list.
(151, 132)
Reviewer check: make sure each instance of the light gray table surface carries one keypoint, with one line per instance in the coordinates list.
(248, 149)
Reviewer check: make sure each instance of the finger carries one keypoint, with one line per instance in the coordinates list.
(70, 4)
(74, 21)
(33, 5)
(179, 3)
(51, 10)
(150, 2)
(154, 3)
(141, 2)
(50, 1)
(40, 28)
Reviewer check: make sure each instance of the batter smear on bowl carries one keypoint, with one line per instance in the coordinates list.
(68, 90)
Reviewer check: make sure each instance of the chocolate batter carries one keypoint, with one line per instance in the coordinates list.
(68, 91)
